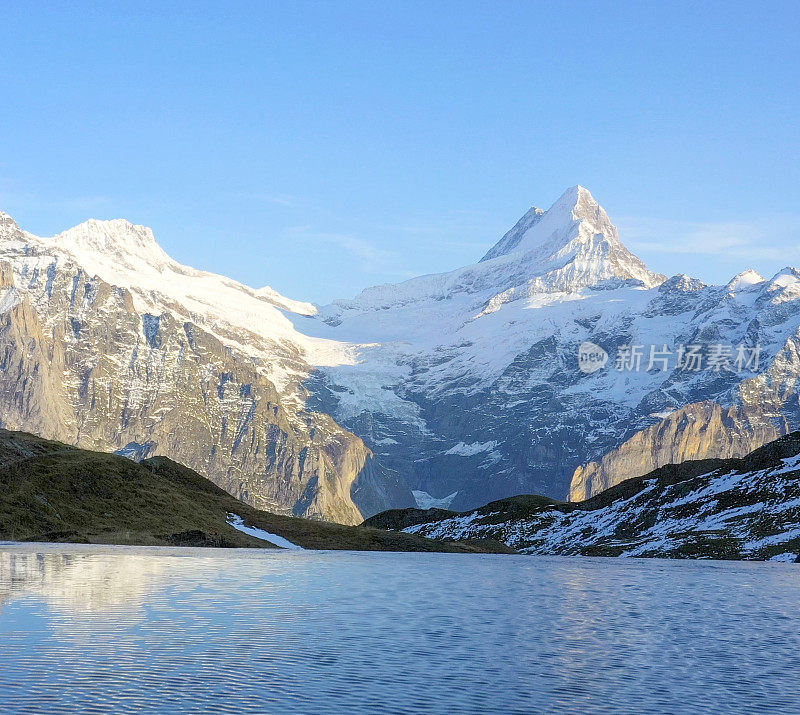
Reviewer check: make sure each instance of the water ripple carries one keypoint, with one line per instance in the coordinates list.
(121, 629)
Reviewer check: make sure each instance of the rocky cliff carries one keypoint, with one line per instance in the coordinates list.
(85, 362)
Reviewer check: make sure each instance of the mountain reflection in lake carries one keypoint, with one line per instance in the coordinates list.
(128, 629)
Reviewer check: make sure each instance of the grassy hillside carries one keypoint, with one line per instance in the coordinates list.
(52, 492)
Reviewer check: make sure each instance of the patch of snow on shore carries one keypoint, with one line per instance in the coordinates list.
(236, 522)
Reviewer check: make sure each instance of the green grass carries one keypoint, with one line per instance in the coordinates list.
(51, 492)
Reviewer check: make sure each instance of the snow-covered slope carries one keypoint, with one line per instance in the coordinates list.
(253, 321)
(468, 382)
(740, 508)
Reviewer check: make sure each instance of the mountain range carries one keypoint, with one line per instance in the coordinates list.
(448, 390)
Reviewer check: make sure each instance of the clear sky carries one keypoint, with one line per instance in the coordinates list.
(322, 147)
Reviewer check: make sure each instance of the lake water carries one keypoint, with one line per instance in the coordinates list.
(99, 629)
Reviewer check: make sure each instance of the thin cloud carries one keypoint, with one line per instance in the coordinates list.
(281, 200)
(87, 203)
(371, 259)
(775, 238)
(439, 231)
(278, 199)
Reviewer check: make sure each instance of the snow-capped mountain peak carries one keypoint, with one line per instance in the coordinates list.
(128, 256)
(571, 245)
(556, 227)
(118, 239)
(8, 225)
(744, 280)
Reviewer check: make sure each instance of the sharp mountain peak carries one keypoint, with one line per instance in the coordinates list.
(538, 227)
(574, 242)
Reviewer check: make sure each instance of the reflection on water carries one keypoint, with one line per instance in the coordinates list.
(161, 630)
(79, 581)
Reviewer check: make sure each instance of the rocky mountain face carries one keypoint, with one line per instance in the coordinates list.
(745, 508)
(754, 411)
(445, 391)
(143, 366)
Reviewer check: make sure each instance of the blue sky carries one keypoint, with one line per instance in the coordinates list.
(324, 147)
